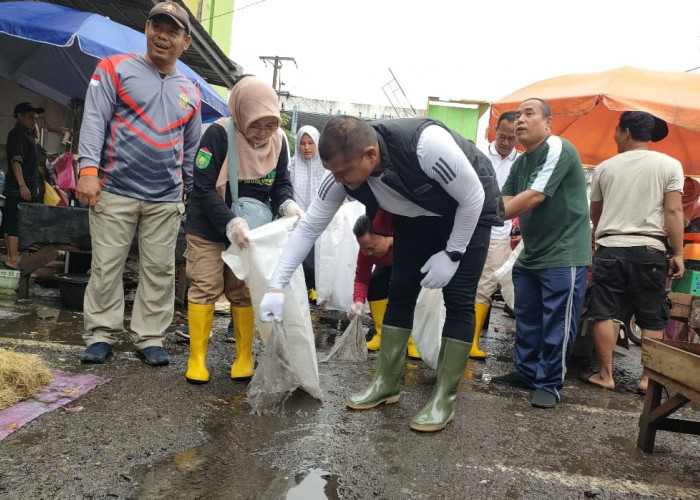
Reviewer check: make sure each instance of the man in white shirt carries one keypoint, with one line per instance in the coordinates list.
(502, 154)
(629, 266)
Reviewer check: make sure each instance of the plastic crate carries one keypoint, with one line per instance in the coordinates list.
(9, 279)
(689, 283)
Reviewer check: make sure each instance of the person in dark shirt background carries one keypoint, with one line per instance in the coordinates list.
(22, 184)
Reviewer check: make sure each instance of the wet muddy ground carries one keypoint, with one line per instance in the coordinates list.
(149, 434)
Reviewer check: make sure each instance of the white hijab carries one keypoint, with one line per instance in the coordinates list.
(306, 174)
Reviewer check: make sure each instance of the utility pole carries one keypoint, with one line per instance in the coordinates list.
(276, 62)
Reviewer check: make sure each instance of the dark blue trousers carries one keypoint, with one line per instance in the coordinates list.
(548, 306)
(416, 239)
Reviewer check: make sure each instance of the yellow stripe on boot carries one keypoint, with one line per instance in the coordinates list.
(199, 319)
(244, 332)
(480, 313)
(377, 308)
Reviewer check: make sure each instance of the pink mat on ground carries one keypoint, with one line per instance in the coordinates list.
(64, 388)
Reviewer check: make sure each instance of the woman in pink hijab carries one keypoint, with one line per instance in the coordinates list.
(261, 166)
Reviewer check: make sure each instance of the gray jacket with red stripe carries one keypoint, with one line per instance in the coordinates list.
(141, 129)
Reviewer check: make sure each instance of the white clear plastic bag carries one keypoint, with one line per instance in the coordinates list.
(428, 320)
(351, 345)
(504, 275)
(275, 378)
(336, 258)
(255, 265)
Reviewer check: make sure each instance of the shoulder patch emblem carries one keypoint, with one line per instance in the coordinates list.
(184, 102)
(203, 158)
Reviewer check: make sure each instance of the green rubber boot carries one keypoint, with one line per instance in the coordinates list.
(386, 384)
(440, 409)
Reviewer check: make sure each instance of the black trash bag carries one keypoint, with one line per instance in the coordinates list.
(351, 346)
(274, 379)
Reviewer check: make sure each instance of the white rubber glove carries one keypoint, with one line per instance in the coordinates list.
(439, 271)
(356, 310)
(290, 208)
(271, 306)
(237, 232)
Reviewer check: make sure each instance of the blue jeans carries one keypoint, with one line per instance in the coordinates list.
(548, 306)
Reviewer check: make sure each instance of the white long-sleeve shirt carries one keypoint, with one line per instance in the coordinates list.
(440, 158)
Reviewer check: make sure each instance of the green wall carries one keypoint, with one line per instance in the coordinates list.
(459, 119)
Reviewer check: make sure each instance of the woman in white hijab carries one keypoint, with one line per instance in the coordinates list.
(306, 174)
(306, 169)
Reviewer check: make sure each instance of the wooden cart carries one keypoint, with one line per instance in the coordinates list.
(675, 366)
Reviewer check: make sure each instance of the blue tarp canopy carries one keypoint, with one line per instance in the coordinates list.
(53, 50)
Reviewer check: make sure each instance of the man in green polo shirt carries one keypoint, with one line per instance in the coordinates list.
(546, 188)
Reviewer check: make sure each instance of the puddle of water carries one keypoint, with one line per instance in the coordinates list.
(313, 484)
(226, 467)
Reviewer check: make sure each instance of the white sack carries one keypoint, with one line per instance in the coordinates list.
(336, 259)
(504, 276)
(428, 320)
(255, 266)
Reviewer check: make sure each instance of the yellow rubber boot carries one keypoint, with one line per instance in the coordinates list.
(243, 331)
(377, 308)
(199, 321)
(480, 312)
(412, 351)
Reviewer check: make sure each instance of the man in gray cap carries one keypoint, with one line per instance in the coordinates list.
(139, 135)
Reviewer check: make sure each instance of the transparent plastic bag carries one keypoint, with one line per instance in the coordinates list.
(274, 379)
(351, 345)
(335, 254)
(504, 276)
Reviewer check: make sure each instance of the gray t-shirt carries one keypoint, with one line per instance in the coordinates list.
(632, 186)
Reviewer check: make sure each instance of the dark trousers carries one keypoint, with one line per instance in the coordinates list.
(309, 267)
(379, 283)
(547, 310)
(415, 241)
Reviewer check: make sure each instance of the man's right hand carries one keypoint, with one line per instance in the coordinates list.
(88, 190)
(676, 267)
(25, 194)
(355, 310)
(271, 306)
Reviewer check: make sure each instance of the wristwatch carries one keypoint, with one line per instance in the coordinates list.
(455, 256)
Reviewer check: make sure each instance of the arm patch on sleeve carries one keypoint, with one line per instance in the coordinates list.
(203, 158)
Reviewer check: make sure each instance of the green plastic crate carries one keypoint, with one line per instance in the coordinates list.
(689, 283)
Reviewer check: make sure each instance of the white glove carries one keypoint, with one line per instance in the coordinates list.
(271, 306)
(355, 310)
(439, 271)
(290, 208)
(237, 232)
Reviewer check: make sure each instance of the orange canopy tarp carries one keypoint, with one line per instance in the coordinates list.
(586, 109)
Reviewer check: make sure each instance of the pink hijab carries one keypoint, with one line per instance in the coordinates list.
(251, 99)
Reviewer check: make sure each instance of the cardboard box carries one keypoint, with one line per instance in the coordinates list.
(689, 283)
(680, 304)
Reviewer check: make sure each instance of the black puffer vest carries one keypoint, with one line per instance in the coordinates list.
(398, 141)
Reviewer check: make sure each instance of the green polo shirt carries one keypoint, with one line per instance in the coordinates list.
(557, 232)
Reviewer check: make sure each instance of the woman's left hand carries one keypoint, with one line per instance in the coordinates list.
(290, 209)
